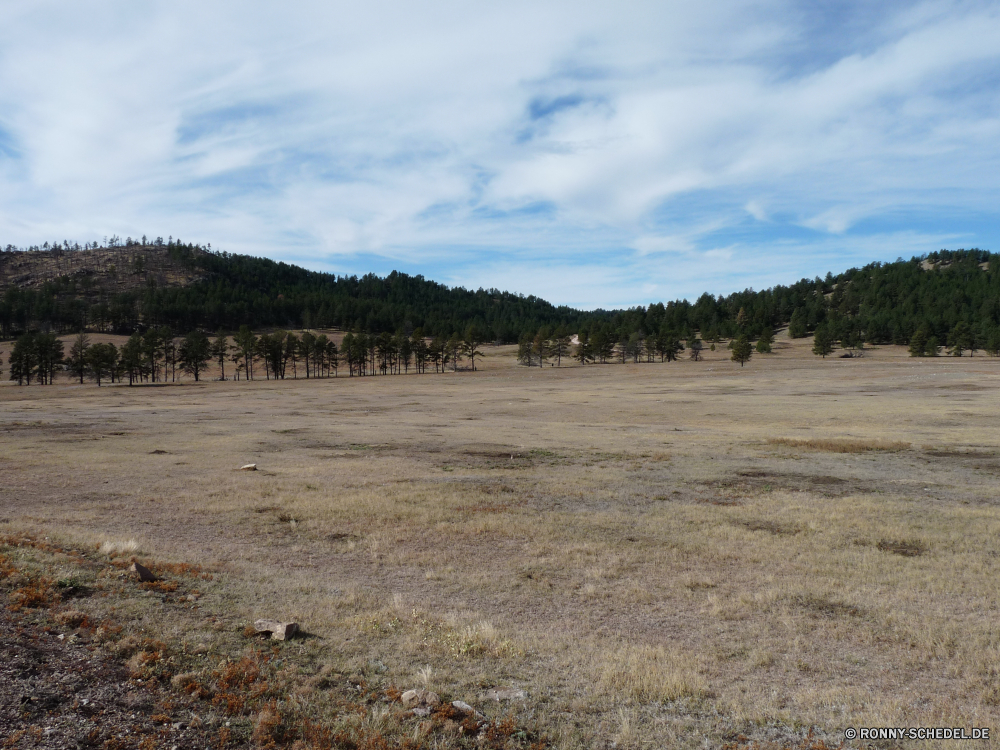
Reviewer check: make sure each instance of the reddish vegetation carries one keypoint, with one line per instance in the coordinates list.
(251, 688)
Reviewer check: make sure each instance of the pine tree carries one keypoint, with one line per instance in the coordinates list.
(822, 342)
(50, 356)
(102, 360)
(131, 358)
(993, 343)
(23, 359)
(695, 345)
(584, 351)
(219, 350)
(246, 344)
(765, 341)
(474, 336)
(918, 343)
(960, 338)
(194, 353)
(560, 348)
(742, 351)
(78, 356)
(540, 348)
(797, 326)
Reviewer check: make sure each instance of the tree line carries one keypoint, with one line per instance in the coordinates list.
(157, 355)
(922, 299)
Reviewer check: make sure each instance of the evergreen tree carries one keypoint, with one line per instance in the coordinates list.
(219, 350)
(960, 338)
(822, 342)
(797, 327)
(742, 351)
(918, 343)
(78, 356)
(290, 350)
(695, 346)
(584, 351)
(132, 358)
(102, 359)
(332, 356)
(603, 345)
(23, 359)
(540, 348)
(473, 338)
(560, 347)
(50, 356)
(993, 343)
(406, 353)
(194, 353)
(246, 345)
(765, 341)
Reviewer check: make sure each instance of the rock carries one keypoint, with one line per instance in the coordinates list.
(505, 694)
(465, 708)
(420, 698)
(248, 467)
(422, 711)
(280, 631)
(144, 574)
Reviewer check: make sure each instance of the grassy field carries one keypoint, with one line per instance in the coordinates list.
(658, 555)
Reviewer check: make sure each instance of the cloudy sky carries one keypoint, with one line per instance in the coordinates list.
(595, 154)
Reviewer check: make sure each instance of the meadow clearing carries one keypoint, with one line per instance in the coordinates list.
(657, 555)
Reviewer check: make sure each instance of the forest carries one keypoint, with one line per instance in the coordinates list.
(946, 299)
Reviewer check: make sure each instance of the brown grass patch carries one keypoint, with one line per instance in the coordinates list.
(902, 547)
(835, 445)
(772, 527)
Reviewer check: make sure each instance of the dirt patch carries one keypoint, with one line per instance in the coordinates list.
(57, 690)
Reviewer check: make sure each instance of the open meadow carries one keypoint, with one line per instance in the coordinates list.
(656, 555)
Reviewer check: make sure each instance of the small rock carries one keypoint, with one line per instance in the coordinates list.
(465, 708)
(280, 631)
(145, 574)
(505, 694)
(248, 467)
(422, 698)
(422, 711)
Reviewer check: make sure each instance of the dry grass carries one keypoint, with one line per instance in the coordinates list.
(119, 549)
(625, 544)
(830, 445)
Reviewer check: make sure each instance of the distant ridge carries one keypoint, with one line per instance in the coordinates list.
(131, 285)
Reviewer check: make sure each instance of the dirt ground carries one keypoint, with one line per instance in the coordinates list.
(657, 555)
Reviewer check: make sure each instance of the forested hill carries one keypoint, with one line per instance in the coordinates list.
(131, 285)
(125, 286)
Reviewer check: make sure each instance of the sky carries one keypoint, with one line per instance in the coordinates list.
(593, 154)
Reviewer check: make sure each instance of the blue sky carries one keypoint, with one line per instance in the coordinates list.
(594, 154)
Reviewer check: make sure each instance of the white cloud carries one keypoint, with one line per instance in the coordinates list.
(639, 141)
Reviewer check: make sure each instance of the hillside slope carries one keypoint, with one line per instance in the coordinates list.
(123, 289)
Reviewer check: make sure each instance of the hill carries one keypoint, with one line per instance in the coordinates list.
(130, 286)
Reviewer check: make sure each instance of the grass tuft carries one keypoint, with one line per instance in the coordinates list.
(119, 549)
(835, 445)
